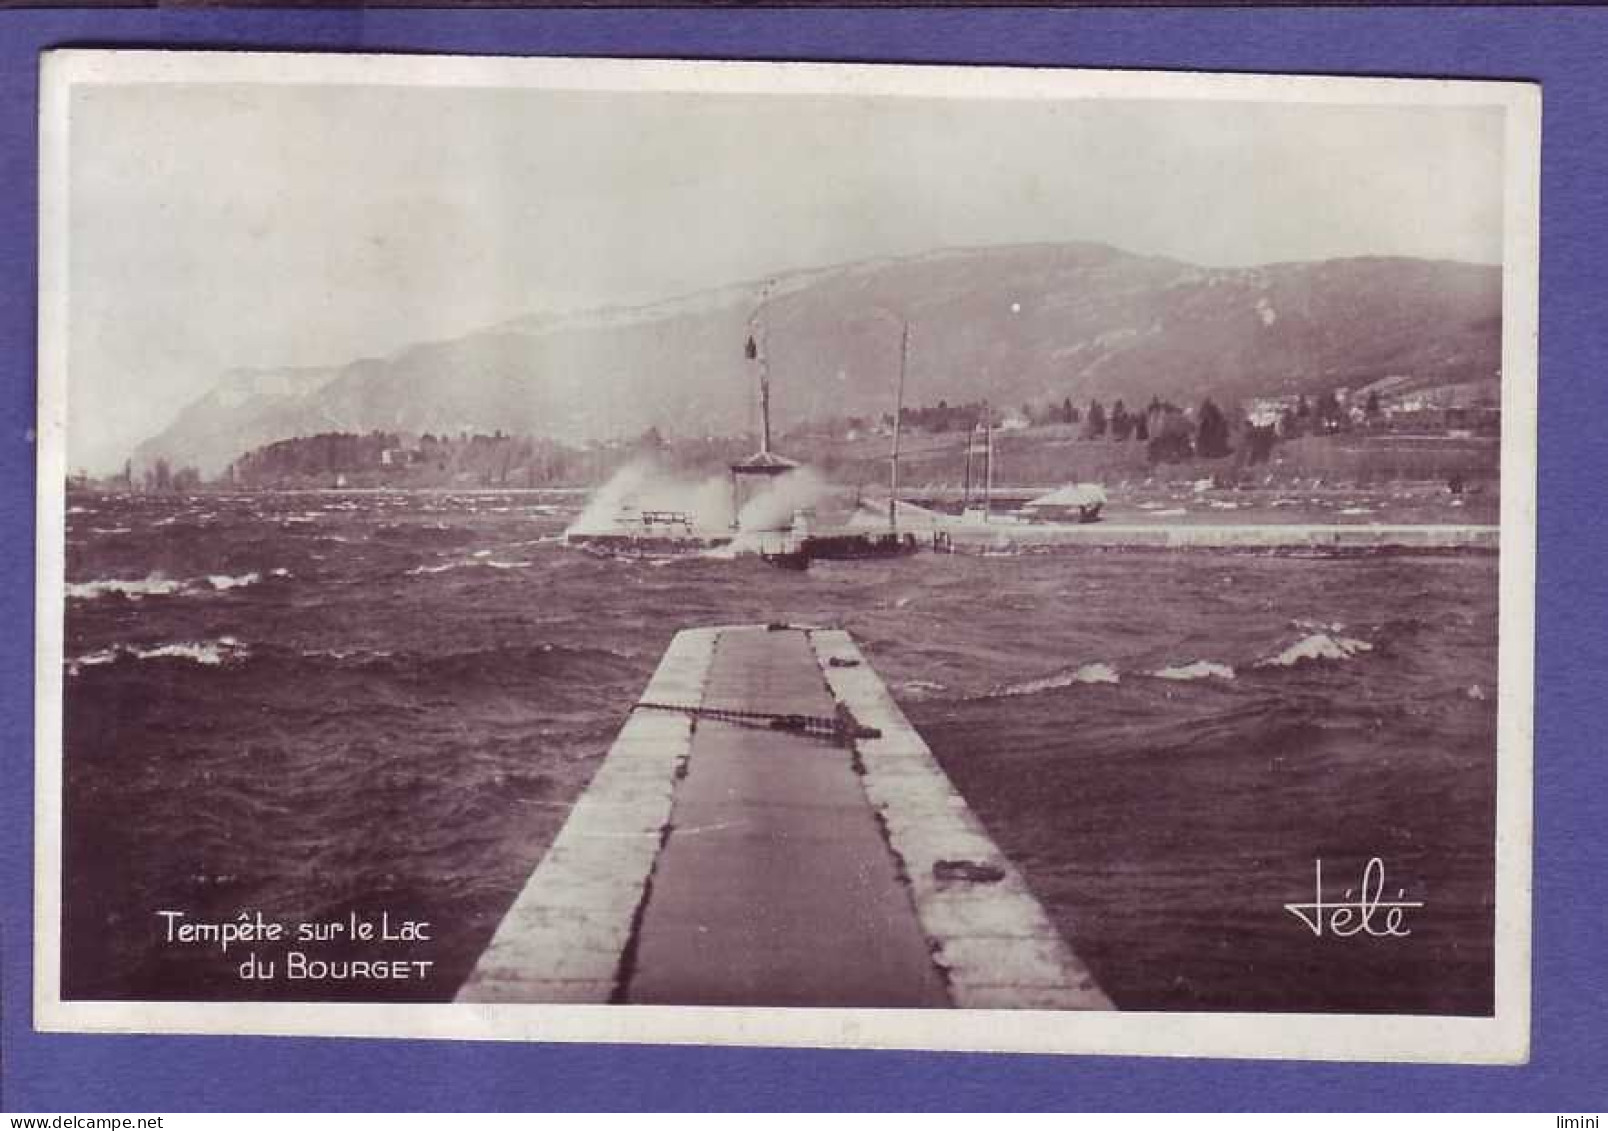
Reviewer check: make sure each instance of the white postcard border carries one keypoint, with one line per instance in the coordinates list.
(1502, 1038)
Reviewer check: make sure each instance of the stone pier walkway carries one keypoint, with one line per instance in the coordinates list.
(723, 862)
(776, 886)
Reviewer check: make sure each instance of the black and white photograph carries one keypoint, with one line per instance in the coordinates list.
(742, 553)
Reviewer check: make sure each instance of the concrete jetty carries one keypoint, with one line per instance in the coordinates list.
(982, 538)
(1006, 533)
(769, 830)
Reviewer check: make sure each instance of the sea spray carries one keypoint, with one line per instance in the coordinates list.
(706, 504)
(775, 507)
(769, 517)
(644, 486)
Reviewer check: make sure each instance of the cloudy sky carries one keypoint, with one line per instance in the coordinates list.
(223, 226)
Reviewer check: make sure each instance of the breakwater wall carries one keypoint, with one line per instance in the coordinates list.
(1005, 537)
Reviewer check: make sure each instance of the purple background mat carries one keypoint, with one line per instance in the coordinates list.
(1564, 49)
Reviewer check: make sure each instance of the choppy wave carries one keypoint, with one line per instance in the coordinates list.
(1088, 673)
(211, 653)
(156, 585)
(1200, 669)
(468, 563)
(1317, 646)
(519, 665)
(417, 742)
(347, 654)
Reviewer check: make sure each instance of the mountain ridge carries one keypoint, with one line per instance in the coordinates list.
(1016, 323)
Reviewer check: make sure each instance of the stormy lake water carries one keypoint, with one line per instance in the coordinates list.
(321, 705)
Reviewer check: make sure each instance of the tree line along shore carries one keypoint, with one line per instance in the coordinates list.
(1055, 444)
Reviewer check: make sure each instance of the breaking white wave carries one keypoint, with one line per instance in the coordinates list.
(921, 688)
(1317, 646)
(152, 586)
(1200, 669)
(210, 653)
(1088, 673)
(1173, 512)
(1096, 673)
(158, 586)
(104, 656)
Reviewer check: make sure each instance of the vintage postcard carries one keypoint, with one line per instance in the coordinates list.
(897, 557)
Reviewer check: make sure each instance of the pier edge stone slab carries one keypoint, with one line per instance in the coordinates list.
(993, 940)
(1007, 537)
(563, 939)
